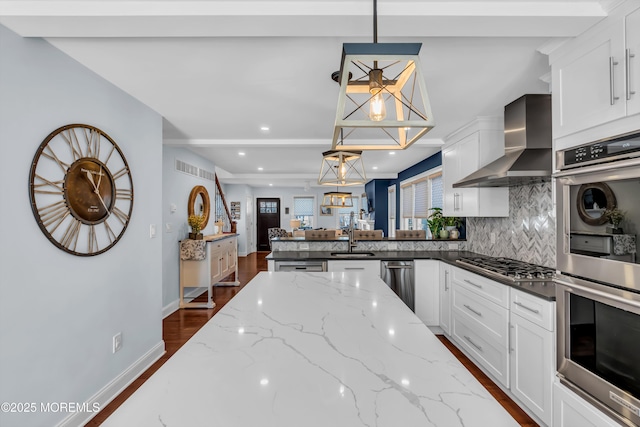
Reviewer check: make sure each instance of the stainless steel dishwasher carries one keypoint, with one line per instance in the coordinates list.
(399, 275)
(301, 266)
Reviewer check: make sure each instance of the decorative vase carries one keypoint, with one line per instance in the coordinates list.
(196, 236)
(444, 234)
(454, 234)
(614, 230)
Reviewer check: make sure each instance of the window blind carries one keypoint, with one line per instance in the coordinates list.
(437, 192)
(421, 207)
(303, 206)
(407, 201)
(392, 204)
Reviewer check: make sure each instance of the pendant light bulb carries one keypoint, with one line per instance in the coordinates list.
(377, 108)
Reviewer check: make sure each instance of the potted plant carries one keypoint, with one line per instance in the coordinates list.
(195, 222)
(436, 223)
(451, 224)
(615, 216)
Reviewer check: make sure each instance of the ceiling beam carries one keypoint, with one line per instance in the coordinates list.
(171, 18)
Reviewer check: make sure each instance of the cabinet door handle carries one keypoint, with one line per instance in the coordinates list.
(354, 268)
(456, 203)
(628, 56)
(472, 343)
(476, 312)
(613, 98)
(474, 284)
(446, 280)
(533, 310)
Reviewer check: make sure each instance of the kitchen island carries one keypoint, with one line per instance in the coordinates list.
(312, 349)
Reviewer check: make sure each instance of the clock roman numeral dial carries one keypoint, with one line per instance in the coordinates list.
(70, 237)
(122, 172)
(120, 215)
(92, 138)
(71, 139)
(93, 240)
(73, 191)
(50, 154)
(123, 194)
(53, 214)
(48, 187)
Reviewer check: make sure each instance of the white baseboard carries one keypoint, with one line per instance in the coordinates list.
(115, 387)
(170, 308)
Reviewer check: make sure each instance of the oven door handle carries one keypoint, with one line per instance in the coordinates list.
(602, 167)
(601, 295)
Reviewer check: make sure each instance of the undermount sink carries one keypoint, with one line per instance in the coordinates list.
(352, 254)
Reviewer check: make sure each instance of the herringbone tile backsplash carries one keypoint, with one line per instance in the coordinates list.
(529, 234)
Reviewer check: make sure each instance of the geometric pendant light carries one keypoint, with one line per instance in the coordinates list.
(342, 168)
(337, 199)
(383, 102)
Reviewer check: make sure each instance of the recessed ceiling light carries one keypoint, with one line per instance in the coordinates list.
(270, 185)
(374, 168)
(264, 128)
(392, 153)
(260, 168)
(241, 153)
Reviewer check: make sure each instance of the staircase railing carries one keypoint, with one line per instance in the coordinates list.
(222, 212)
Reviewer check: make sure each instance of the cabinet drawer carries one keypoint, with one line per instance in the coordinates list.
(490, 317)
(600, 244)
(537, 310)
(368, 266)
(493, 291)
(492, 357)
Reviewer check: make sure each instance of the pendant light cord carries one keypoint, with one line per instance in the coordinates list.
(375, 21)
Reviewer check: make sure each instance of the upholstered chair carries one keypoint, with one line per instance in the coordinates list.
(276, 232)
(367, 234)
(411, 234)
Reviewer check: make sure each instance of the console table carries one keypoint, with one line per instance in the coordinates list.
(220, 260)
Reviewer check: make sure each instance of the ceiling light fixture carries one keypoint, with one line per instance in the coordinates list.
(264, 128)
(337, 199)
(241, 153)
(386, 76)
(260, 168)
(342, 168)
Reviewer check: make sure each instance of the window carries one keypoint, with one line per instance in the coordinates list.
(391, 221)
(303, 208)
(268, 207)
(419, 195)
(344, 213)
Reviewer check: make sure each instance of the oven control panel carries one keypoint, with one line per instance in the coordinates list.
(602, 150)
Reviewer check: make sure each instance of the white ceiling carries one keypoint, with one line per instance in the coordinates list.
(217, 71)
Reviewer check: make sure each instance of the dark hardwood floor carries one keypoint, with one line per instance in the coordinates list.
(181, 325)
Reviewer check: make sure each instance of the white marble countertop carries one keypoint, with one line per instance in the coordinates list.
(312, 349)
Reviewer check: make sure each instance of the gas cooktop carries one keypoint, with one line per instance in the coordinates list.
(533, 278)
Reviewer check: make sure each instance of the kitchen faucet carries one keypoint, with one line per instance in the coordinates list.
(352, 243)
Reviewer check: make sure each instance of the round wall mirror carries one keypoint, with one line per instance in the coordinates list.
(593, 200)
(199, 203)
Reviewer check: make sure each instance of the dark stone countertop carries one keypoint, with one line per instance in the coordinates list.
(547, 292)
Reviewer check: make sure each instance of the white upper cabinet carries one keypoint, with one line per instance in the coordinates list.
(594, 77)
(466, 151)
(632, 61)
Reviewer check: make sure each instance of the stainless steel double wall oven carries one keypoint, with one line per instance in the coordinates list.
(598, 290)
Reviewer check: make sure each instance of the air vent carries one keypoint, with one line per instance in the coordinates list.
(189, 169)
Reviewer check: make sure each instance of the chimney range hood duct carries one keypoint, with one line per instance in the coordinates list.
(527, 154)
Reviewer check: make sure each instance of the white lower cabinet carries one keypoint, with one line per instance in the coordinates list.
(479, 325)
(427, 290)
(445, 298)
(570, 410)
(365, 266)
(532, 349)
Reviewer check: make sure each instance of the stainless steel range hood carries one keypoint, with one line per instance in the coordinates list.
(528, 156)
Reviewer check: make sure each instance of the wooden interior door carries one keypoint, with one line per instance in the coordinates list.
(268, 216)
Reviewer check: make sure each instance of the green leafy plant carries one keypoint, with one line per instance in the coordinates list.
(196, 222)
(614, 215)
(435, 221)
(452, 221)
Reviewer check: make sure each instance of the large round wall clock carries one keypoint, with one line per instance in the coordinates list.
(81, 190)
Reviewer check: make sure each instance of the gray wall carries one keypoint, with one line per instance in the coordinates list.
(528, 234)
(59, 312)
(176, 188)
